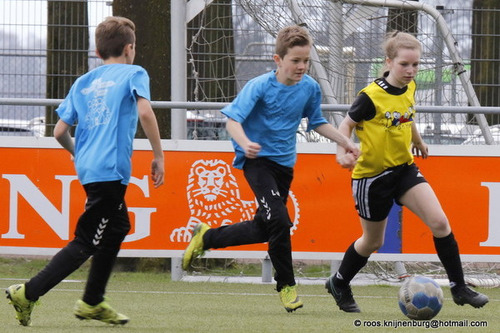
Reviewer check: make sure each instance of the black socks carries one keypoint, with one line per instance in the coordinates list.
(350, 266)
(447, 251)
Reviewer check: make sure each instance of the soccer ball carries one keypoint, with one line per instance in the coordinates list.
(420, 298)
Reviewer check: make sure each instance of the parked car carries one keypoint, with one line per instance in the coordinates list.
(478, 139)
(19, 127)
(206, 127)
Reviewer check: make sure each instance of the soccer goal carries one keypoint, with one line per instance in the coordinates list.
(230, 42)
(347, 54)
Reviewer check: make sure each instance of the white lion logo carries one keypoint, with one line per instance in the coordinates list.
(214, 198)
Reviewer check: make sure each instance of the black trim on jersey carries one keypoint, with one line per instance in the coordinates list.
(363, 108)
(382, 82)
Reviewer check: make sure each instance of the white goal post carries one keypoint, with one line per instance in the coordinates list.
(450, 41)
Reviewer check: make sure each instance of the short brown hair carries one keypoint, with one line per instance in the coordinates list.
(112, 35)
(291, 36)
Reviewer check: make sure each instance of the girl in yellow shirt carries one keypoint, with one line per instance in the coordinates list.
(382, 116)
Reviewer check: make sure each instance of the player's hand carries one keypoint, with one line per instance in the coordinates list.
(420, 149)
(347, 160)
(252, 149)
(157, 172)
(354, 150)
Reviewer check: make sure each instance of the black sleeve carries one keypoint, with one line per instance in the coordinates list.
(362, 108)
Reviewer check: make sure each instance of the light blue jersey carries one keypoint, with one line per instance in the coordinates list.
(103, 105)
(270, 113)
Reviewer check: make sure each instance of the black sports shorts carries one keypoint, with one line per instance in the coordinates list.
(374, 196)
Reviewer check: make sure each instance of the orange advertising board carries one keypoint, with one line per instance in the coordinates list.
(468, 188)
(41, 200)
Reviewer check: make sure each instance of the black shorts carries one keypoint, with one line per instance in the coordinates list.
(105, 219)
(375, 196)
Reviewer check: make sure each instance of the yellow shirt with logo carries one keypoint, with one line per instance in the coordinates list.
(385, 139)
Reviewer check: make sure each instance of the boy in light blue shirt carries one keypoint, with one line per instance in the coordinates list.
(105, 104)
(263, 121)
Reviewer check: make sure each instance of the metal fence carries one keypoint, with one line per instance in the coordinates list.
(24, 47)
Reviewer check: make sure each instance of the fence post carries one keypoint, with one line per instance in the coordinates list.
(334, 266)
(176, 269)
(267, 270)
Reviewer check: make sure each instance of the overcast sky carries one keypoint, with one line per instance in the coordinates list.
(23, 24)
(33, 13)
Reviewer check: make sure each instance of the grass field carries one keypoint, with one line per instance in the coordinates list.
(156, 304)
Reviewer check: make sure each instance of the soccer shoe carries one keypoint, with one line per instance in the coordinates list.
(289, 298)
(195, 247)
(102, 312)
(343, 296)
(24, 307)
(465, 295)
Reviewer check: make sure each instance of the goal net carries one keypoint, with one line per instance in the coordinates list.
(347, 54)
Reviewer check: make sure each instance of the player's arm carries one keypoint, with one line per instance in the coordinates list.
(330, 132)
(346, 158)
(61, 134)
(419, 147)
(236, 131)
(150, 127)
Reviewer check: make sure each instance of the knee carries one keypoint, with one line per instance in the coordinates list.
(80, 249)
(123, 232)
(366, 247)
(440, 226)
(375, 246)
(277, 214)
(117, 235)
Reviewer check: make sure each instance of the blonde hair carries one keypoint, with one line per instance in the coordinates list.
(289, 37)
(112, 35)
(397, 40)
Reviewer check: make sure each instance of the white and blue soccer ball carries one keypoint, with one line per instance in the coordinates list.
(420, 298)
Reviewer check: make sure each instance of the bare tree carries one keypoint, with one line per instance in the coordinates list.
(67, 49)
(152, 20)
(214, 48)
(485, 63)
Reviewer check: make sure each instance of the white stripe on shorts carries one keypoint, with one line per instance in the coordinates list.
(360, 192)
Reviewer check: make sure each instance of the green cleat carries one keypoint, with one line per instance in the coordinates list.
(23, 306)
(102, 312)
(289, 298)
(195, 247)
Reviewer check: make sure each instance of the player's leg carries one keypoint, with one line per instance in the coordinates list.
(106, 201)
(262, 181)
(65, 262)
(25, 296)
(113, 227)
(422, 200)
(240, 233)
(355, 258)
(373, 199)
(275, 215)
(270, 183)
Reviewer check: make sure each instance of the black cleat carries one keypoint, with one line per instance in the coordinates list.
(343, 296)
(465, 295)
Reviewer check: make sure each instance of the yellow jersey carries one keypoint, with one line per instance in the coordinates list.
(385, 138)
